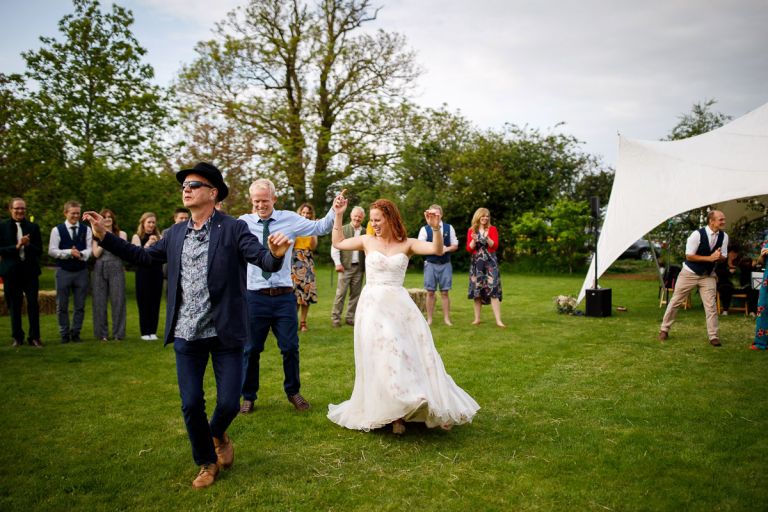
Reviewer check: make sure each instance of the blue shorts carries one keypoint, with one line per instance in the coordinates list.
(438, 274)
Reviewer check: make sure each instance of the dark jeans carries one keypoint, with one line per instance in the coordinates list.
(77, 282)
(149, 292)
(17, 285)
(191, 361)
(279, 314)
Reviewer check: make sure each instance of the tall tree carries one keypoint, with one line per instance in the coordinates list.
(701, 119)
(322, 94)
(93, 86)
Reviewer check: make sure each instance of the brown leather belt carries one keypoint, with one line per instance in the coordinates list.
(272, 292)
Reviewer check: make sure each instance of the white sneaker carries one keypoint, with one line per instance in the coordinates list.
(153, 337)
(146, 337)
(724, 313)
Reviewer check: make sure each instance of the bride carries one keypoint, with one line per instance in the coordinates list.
(399, 376)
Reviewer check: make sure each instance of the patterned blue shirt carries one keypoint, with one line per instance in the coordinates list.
(195, 315)
(292, 225)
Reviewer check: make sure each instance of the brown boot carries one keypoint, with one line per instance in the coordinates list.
(206, 476)
(225, 451)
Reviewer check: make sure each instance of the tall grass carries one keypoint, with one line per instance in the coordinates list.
(577, 414)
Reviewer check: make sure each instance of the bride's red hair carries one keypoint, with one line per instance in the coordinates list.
(390, 212)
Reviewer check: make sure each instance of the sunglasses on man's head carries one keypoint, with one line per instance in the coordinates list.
(194, 185)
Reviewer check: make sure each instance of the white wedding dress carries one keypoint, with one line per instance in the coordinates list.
(398, 372)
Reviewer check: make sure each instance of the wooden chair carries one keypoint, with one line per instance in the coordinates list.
(670, 278)
(742, 296)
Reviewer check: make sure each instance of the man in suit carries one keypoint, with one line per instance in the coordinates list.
(350, 266)
(206, 314)
(20, 248)
(71, 245)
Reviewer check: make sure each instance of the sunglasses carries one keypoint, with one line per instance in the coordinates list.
(194, 185)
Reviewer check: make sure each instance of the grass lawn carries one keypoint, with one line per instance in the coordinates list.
(577, 414)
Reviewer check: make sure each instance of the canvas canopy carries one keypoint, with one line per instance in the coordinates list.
(656, 180)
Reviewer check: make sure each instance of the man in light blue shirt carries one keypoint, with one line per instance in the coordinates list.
(270, 298)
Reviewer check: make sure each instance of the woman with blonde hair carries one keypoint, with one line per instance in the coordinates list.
(399, 375)
(149, 279)
(108, 284)
(303, 269)
(484, 278)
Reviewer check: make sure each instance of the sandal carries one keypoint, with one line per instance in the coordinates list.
(303, 327)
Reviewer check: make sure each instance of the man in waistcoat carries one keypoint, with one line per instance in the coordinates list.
(438, 271)
(350, 265)
(20, 248)
(70, 245)
(703, 250)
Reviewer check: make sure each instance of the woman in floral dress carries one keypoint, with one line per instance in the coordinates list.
(303, 269)
(484, 279)
(761, 323)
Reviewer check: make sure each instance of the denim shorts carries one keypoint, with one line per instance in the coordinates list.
(438, 275)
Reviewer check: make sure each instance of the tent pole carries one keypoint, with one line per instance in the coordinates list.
(656, 261)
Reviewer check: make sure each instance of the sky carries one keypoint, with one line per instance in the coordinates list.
(602, 67)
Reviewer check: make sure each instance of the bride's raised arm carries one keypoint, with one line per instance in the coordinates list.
(436, 245)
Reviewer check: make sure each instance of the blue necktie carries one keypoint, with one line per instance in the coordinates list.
(264, 237)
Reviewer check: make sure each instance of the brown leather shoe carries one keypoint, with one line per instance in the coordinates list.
(206, 477)
(663, 335)
(715, 342)
(225, 451)
(247, 407)
(36, 343)
(299, 402)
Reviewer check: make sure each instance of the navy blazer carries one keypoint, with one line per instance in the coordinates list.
(231, 247)
(9, 254)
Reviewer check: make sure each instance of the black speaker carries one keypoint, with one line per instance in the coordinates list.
(599, 302)
(594, 205)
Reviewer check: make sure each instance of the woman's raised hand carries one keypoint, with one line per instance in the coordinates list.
(340, 202)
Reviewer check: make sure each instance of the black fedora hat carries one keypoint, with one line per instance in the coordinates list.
(209, 172)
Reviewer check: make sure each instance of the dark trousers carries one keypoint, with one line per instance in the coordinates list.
(77, 283)
(17, 285)
(279, 314)
(191, 361)
(149, 291)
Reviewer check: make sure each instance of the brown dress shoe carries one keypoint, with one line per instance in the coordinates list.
(663, 335)
(299, 402)
(247, 407)
(206, 476)
(225, 451)
(36, 343)
(715, 342)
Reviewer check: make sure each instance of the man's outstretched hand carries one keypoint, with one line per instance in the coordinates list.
(97, 224)
(278, 244)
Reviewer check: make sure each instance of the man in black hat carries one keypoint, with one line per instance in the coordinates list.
(206, 313)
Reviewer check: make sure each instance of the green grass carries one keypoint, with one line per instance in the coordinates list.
(577, 414)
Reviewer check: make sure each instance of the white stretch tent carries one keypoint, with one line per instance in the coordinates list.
(656, 180)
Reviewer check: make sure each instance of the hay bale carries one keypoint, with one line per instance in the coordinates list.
(45, 298)
(419, 296)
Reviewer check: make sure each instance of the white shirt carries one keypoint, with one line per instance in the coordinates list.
(692, 244)
(336, 254)
(65, 254)
(454, 240)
